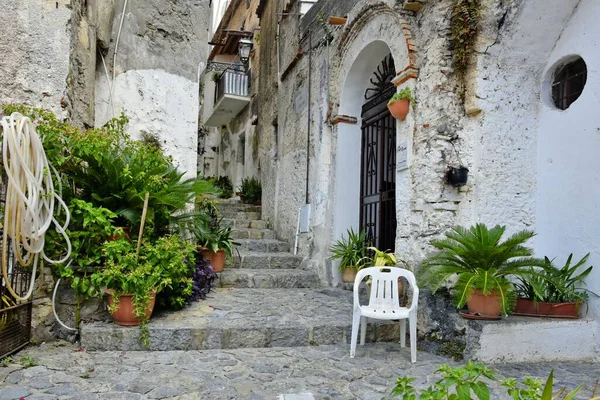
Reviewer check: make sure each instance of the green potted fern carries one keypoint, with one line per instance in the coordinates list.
(482, 261)
(351, 253)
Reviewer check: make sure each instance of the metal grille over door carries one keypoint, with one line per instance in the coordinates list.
(378, 160)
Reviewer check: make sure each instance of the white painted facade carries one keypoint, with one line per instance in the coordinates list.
(568, 165)
(158, 103)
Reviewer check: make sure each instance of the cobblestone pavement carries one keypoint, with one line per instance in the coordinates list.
(319, 372)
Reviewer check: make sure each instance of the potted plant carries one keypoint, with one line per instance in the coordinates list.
(400, 103)
(250, 191)
(556, 292)
(217, 245)
(482, 262)
(132, 278)
(351, 253)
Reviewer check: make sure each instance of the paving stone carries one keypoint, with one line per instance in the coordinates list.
(40, 383)
(61, 390)
(14, 392)
(165, 392)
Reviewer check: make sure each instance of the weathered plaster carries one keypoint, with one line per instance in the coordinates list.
(157, 103)
(34, 41)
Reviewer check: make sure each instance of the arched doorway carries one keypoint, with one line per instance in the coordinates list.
(378, 160)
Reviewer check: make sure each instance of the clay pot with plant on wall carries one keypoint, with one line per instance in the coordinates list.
(483, 262)
(554, 292)
(400, 102)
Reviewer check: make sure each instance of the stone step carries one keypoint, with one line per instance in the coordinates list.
(239, 207)
(258, 260)
(244, 223)
(268, 278)
(263, 245)
(236, 318)
(250, 233)
(245, 215)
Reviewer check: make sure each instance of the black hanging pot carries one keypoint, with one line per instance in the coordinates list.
(457, 177)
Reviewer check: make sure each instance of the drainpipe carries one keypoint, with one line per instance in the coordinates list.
(308, 114)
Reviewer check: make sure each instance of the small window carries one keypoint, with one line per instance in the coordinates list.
(568, 83)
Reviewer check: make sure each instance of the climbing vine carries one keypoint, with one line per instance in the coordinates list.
(464, 26)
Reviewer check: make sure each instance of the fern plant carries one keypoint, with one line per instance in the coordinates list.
(482, 262)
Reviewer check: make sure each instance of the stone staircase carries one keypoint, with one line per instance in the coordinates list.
(265, 299)
(260, 260)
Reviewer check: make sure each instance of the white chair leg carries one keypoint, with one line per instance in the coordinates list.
(402, 333)
(354, 339)
(363, 330)
(413, 337)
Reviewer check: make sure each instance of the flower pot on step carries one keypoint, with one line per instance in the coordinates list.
(489, 305)
(215, 258)
(349, 274)
(124, 315)
(399, 109)
(530, 308)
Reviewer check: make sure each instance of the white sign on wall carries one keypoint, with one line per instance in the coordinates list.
(402, 156)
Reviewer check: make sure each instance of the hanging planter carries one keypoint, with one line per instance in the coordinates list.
(457, 177)
(399, 104)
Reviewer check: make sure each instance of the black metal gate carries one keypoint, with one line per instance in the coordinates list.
(378, 160)
(15, 316)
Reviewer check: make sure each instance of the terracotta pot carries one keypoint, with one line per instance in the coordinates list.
(124, 314)
(349, 274)
(216, 259)
(399, 109)
(556, 310)
(337, 20)
(485, 305)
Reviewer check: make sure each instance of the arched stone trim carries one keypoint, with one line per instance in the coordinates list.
(368, 12)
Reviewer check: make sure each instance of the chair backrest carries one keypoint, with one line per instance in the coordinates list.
(384, 285)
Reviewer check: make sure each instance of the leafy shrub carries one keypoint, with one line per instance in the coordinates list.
(467, 382)
(251, 190)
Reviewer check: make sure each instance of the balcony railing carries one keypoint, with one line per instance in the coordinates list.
(233, 83)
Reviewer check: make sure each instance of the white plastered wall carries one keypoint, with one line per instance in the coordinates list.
(568, 161)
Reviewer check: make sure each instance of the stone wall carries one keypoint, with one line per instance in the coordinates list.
(35, 42)
(161, 51)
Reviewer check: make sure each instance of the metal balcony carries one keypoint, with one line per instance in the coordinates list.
(230, 97)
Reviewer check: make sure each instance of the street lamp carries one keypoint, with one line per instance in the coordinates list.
(244, 47)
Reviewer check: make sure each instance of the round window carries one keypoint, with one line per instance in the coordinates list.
(568, 82)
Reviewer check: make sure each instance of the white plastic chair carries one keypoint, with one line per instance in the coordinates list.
(384, 304)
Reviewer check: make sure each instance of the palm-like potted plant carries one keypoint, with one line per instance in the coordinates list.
(555, 292)
(482, 262)
(216, 245)
(351, 253)
(400, 103)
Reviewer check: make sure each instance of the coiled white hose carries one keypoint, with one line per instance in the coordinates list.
(30, 199)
